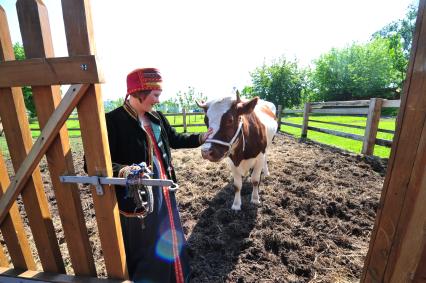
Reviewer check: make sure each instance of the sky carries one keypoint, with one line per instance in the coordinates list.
(213, 46)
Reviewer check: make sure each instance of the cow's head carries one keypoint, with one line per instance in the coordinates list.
(223, 117)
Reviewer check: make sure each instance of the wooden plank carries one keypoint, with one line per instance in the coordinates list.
(410, 240)
(351, 126)
(36, 276)
(342, 111)
(337, 133)
(35, 30)
(184, 120)
(391, 103)
(278, 115)
(40, 147)
(306, 111)
(19, 140)
(390, 226)
(12, 229)
(4, 262)
(288, 111)
(291, 124)
(50, 71)
(79, 34)
(373, 119)
(361, 103)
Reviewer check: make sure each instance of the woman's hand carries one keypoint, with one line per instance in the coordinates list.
(206, 135)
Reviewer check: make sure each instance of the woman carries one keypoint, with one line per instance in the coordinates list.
(155, 246)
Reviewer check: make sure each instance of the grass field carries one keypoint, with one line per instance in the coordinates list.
(344, 143)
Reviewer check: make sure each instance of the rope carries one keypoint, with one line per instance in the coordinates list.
(139, 193)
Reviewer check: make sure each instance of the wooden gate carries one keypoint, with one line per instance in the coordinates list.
(45, 73)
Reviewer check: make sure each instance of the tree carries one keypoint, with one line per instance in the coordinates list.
(18, 49)
(357, 72)
(110, 105)
(400, 35)
(187, 100)
(281, 83)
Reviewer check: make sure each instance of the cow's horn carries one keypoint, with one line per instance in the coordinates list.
(238, 96)
(202, 104)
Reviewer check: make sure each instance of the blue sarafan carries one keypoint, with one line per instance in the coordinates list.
(242, 131)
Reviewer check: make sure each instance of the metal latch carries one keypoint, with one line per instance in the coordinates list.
(99, 181)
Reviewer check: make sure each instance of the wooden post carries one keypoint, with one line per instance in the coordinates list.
(279, 113)
(396, 252)
(37, 41)
(12, 229)
(306, 111)
(184, 119)
(19, 139)
(79, 34)
(373, 119)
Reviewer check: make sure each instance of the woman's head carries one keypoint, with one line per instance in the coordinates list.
(144, 88)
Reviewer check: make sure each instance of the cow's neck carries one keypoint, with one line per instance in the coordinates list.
(254, 137)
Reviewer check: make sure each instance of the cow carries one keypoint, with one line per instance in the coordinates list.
(242, 131)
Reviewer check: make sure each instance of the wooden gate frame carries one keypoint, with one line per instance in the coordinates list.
(397, 250)
(44, 73)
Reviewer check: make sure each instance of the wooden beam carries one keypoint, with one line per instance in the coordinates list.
(79, 34)
(307, 109)
(40, 147)
(399, 216)
(9, 275)
(342, 111)
(373, 119)
(35, 30)
(50, 71)
(19, 140)
(13, 229)
(363, 103)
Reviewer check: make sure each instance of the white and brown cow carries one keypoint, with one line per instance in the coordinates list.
(242, 132)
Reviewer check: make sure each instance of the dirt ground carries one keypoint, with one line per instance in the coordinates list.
(313, 224)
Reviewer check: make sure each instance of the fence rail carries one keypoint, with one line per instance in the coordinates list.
(370, 108)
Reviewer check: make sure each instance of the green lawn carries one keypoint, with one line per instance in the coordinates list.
(344, 143)
(340, 142)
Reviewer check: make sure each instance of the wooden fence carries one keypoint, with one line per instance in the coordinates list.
(369, 108)
(44, 73)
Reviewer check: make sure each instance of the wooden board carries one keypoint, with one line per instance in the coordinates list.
(79, 34)
(400, 202)
(8, 275)
(373, 119)
(35, 32)
(12, 229)
(50, 71)
(19, 140)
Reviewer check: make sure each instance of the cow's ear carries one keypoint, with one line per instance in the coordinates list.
(246, 107)
(202, 105)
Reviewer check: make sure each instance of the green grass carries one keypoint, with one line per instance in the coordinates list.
(340, 142)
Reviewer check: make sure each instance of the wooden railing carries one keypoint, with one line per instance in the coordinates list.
(369, 108)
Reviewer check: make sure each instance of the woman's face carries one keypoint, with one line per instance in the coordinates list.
(146, 102)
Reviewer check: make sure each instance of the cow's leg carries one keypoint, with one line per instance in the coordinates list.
(265, 166)
(255, 178)
(238, 183)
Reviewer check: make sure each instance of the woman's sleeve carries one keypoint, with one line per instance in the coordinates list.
(113, 144)
(178, 140)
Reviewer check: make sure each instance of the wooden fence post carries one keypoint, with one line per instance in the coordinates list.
(306, 111)
(79, 35)
(35, 31)
(184, 119)
(398, 242)
(373, 119)
(278, 114)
